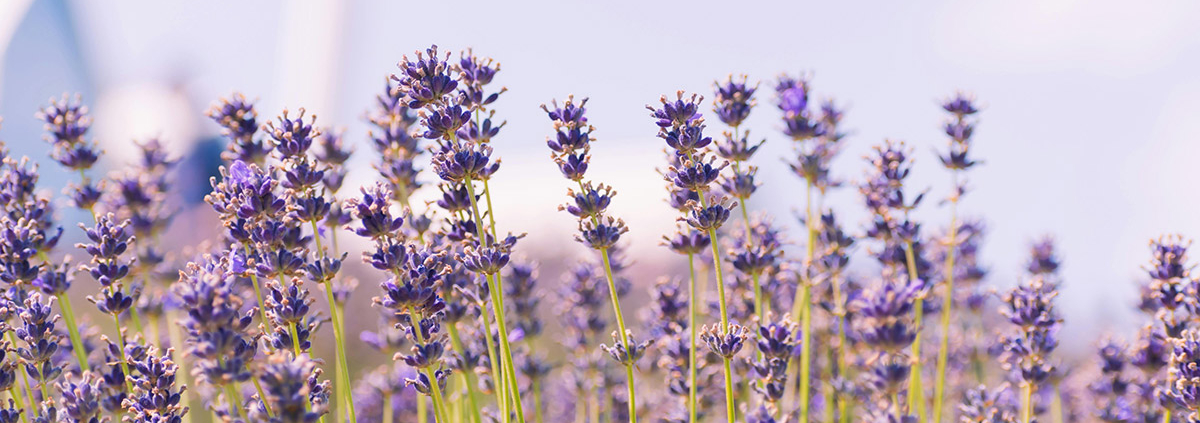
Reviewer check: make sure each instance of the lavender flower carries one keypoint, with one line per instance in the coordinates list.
(287, 383)
(239, 121)
(81, 400)
(1027, 348)
(980, 405)
(40, 342)
(67, 121)
(217, 326)
(1184, 367)
(777, 341)
(426, 79)
(733, 100)
(155, 397)
(444, 263)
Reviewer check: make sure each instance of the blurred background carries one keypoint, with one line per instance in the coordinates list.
(1088, 129)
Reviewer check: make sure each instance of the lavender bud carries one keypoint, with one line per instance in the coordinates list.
(625, 354)
(725, 343)
(733, 100)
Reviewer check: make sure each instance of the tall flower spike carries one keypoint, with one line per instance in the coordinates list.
(1030, 308)
(597, 229)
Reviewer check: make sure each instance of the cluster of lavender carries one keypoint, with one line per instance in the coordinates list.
(796, 332)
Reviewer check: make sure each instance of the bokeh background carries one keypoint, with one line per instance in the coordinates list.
(1088, 131)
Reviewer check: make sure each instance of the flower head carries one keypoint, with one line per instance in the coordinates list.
(459, 162)
(67, 121)
(239, 123)
(293, 137)
(625, 354)
(710, 217)
(724, 342)
(426, 79)
(287, 384)
(733, 100)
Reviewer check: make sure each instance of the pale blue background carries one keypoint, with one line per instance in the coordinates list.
(1088, 130)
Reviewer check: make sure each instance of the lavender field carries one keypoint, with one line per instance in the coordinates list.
(755, 247)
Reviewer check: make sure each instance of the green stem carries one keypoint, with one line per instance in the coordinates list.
(262, 305)
(295, 335)
(155, 335)
(468, 374)
(387, 408)
(435, 389)
(827, 390)
(1026, 402)
(176, 338)
(693, 320)
(899, 411)
(262, 397)
(232, 398)
(712, 235)
(612, 291)
(12, 338)
(232, 395)
(916, 392)
(632, 399)
(498, 377)
(497, 296)
(340, 392)
(339, 405)
(537, 401)
(843, 401)
(121, 351)
(759, 309)
(77, 344)
(730, 402)
(730, 398)
(487, 197)
(422, 410)
(295, 338)
(404, 193)
(939, 390)
(68, 313)
(510, 370)
(16, 396)
(341, 350)
(805, 351)
(338, 328)
(137, 320)
(801, 313)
